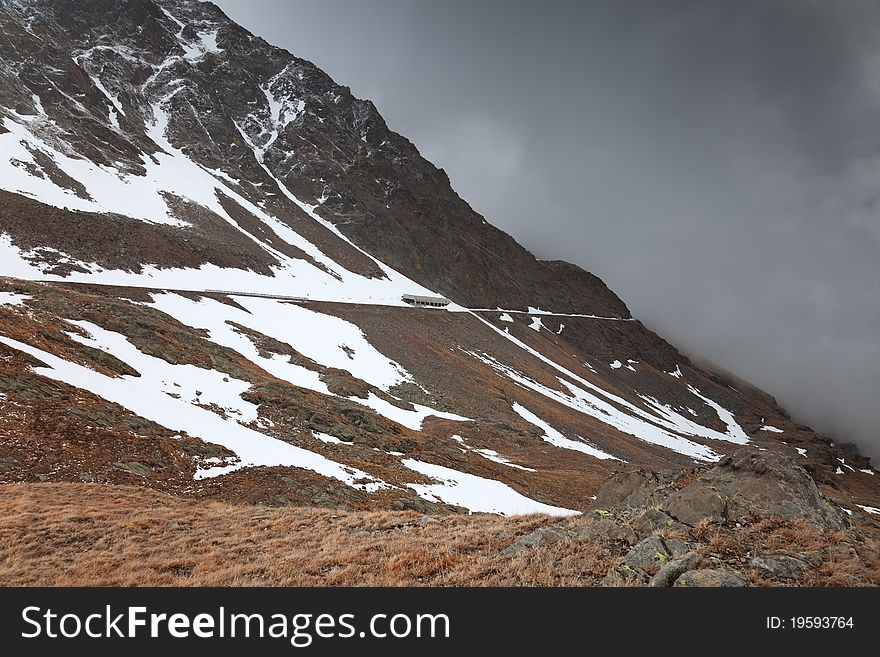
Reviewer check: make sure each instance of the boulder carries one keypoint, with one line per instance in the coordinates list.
(654, 552)
(674, 569)
(693, 503)
(543, 536)
(624, 575)
(779, 566)
(135, 467)
(608, 529)
(752, 482)
(770, 483)
(630, 489)
(709, 577)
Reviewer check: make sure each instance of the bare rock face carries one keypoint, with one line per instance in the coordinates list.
(696, 502)
(747, 483)
(757, 482)
(631, 489)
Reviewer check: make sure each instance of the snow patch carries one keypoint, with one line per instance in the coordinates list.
(327, 438)
(410, 419)
(735, 433)
(843, 463)
(770, 429)
(637, 422)
(489, 454)
(13, 299)
(556, 439)
(476, 494)
(191, 384)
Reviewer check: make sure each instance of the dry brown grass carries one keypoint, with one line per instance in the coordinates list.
(105, 535)
(841, 560)
(79, 534)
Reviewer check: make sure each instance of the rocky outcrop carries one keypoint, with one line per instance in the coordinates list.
(631, 489)
(708, 528)
(750, 482)
(653, 552)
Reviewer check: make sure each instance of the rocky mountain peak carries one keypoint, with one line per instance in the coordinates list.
(116, 83)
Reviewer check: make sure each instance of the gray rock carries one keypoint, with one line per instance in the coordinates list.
(606, 528)
(543, 536)
(136, 467)
(779, 567)
(693, 503)
(813, 559)
(674, 569)
(649, 554)
(629, 490)
(769, 483)
(676, 546)
(752, 483)
(709, 577)
(652, 520)
(624, 575)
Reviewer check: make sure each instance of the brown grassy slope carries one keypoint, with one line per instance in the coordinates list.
(77, 534)
(81, 534)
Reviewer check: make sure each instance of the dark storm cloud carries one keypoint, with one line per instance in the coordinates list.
(716, 162)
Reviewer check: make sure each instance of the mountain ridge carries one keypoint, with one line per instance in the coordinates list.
(364, 204)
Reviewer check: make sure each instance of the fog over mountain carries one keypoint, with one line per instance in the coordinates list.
(715, 163)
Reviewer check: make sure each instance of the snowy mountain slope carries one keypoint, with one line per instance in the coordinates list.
(101, 91)
(151, 152)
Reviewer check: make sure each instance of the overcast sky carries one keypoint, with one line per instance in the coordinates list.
(717, 163)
